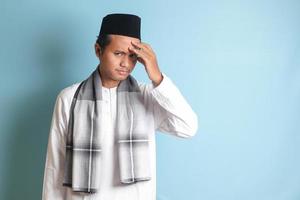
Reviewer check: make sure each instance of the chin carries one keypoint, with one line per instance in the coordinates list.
(121, 78)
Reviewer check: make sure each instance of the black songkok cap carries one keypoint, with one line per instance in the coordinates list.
(121, 24)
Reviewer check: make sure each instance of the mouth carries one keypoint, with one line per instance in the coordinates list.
(122, 72)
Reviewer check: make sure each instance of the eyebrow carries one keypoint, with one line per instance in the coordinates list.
(123, 51)
(120, 50)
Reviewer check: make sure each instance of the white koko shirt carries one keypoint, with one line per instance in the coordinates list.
(172, 114)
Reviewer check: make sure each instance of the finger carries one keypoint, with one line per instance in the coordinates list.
(137, 45)
(142, 50)
(147, 46)
(140, 47)
(139, 56)
(139, 53)
(144, 47)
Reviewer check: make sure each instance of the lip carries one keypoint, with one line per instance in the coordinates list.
(122, 72)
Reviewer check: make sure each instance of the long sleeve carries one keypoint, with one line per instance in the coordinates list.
(52, 184)
(172, 113)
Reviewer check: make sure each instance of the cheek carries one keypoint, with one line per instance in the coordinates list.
(112, 61)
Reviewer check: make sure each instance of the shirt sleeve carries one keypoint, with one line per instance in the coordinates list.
(172, 113)
(53, 174)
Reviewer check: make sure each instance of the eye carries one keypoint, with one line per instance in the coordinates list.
(133, 56)
(117, 53)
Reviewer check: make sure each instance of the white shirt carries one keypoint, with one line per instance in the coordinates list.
(172, 114)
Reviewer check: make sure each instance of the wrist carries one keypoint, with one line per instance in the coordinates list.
(157, 80)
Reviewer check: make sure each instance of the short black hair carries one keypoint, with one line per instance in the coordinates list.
(103, 41)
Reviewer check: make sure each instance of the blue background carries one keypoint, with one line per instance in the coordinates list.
(236, 62)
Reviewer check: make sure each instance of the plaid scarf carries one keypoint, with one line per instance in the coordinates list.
(83, 147)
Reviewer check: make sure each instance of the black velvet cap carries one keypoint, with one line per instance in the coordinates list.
(121, 24)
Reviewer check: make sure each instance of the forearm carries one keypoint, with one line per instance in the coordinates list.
(174, 111)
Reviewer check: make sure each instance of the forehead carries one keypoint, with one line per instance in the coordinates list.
(121, 42)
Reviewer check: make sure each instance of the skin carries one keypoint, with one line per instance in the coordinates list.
(122, 54)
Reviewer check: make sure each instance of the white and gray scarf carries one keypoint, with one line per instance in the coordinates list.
(83, 147)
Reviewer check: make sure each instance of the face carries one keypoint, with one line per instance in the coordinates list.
(116, 62)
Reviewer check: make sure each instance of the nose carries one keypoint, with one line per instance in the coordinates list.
(125, 62)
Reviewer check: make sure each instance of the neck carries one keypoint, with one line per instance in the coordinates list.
(108, 83)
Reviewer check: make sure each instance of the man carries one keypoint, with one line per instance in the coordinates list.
(102, 138)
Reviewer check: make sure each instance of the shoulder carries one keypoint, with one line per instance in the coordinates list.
(67, 93)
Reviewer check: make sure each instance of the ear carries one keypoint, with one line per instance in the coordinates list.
(98, 50)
